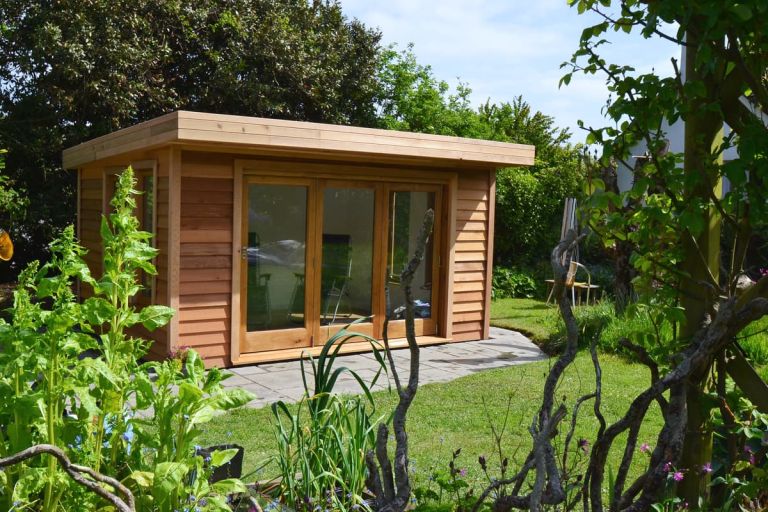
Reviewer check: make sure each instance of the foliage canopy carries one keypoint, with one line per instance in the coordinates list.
(71, 71)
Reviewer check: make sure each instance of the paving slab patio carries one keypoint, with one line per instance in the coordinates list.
(271, 382)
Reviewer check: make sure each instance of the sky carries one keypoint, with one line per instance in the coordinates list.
(506, 48)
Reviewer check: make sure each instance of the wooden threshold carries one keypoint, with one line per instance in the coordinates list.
(271, 356)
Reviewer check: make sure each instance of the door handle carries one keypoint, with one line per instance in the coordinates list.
(244, 252)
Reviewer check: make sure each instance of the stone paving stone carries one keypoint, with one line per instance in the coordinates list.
(438, 363)
(239, 381)
(248, 371)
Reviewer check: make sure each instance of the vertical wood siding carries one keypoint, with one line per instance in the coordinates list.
(470, 267)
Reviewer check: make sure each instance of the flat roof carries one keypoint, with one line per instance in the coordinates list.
(203, 130)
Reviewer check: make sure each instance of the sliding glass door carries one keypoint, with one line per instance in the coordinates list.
(319, 254)
(406, 208)
(277, 302)
(347, 257)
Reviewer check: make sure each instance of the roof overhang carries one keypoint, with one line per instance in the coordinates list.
(238, 133)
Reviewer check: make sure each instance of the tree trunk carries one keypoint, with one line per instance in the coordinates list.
(701, 264)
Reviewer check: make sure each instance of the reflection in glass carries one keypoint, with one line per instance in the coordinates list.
(406, 217)
(277, 234)
(347, 255)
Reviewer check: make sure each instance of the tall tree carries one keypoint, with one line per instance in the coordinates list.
(529, 201)
(677, 225)
(72, 70)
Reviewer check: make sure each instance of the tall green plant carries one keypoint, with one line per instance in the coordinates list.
(322, 442)
(70, 377)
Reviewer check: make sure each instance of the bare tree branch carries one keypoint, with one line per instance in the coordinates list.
(393, 494)
(78, 474)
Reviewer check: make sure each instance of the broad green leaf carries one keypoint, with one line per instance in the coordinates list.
(153, 317)
(229, 486)
(167, 480)
(189, 393)
(221, 457)
(233, 398)
(105, 231)
(87, 402)
(194, 366)
(203, 415)
(143, 479)
(98, 310)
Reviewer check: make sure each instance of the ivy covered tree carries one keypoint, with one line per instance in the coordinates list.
(72, 70)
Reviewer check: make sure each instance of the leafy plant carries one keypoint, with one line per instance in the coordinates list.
(182, 397)
(70, 378)
(323, 440)
(452, 491)
(513, 283)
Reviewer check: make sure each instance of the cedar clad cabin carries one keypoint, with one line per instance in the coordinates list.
(274, 234)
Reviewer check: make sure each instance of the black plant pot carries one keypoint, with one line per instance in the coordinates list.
(232, 469)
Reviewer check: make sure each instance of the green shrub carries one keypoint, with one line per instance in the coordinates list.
(513, 283)
(529, 209)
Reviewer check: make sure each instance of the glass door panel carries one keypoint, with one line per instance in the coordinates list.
(347, 255)
(406, 215)
(275, 261)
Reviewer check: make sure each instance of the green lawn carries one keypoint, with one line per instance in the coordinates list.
(531, 317)
(454, 415)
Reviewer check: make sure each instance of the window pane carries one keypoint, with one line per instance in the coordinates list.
(277, 230)
(347, 255)
(407, 211)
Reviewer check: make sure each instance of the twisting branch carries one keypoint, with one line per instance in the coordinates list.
(642, 356)
(733, 315)
(393, 488)
(78, 474)
(547, 487)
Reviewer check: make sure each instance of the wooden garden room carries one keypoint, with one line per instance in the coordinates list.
(275, 234)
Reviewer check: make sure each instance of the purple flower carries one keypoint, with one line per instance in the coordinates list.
(463, 472)
(645, 448)
(668, 467)
(678, 476)
(706, 468)
(584, 445)
(751, 454)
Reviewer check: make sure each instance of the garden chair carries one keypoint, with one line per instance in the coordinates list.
(573, 285)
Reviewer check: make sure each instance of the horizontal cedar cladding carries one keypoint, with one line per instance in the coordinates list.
(205, 287)
(470, 265)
